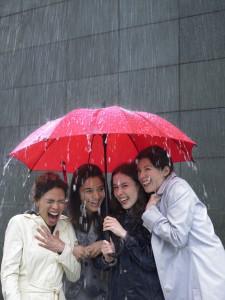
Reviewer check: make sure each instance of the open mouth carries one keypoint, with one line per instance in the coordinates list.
(94, 203)
(146, 182)
(53, 217)
(123, 201)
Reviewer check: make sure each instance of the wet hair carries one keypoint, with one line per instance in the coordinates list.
(79, 177)
(130, 170)
(46, 182)
(157, 156)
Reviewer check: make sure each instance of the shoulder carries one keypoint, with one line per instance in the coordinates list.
(64, 222)
(17, 219)
(178, 189)
(179, 184)
(18, 222)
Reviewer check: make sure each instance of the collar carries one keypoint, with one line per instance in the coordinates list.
(164, 184)
(38, 219)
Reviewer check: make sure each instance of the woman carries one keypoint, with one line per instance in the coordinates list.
(189, 256)
(134, 274)
(28, 270)
(86, 208)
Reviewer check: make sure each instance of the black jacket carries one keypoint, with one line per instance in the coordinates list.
(134, 276)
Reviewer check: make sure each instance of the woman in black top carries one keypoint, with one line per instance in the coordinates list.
(134, 273)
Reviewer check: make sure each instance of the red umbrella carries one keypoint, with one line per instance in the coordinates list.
(105, 137)
(81, 136)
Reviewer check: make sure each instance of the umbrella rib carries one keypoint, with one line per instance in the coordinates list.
(133, 142)
(42, 155)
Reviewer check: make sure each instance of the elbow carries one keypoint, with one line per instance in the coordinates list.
(179, 241)
(175, 235)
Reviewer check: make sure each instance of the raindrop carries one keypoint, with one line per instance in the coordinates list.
(85, 283)
(194, 167)
(1, 206)
(205, 192)
(27, 176)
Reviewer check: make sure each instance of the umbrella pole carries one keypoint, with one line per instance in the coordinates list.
(105, 171)
(115, 255)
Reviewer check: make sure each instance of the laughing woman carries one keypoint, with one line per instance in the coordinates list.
(86, 208)
(28, 270)
(134, 273)
(189, 255)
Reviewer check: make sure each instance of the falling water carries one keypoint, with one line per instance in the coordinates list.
(164, 57)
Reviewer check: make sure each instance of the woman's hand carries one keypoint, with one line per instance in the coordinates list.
(111, 224)
(94, 249)
(153, 200)
(80, 252)
(50, 241)
(108, 248)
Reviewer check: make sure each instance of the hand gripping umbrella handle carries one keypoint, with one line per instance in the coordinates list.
(121, 245)
(117, 254)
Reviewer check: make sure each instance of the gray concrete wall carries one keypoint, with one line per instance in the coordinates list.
(165, 57)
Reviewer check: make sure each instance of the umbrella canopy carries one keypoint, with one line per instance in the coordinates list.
(105, 137)
(81, 137)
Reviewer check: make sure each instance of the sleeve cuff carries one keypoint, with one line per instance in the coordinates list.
(109, 264)
(150, 216)
(61, 256)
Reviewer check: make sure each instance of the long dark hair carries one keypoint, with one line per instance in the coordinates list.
(74, 202)
(130, 170)
(157, 156)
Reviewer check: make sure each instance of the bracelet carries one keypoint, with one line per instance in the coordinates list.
(109, 264)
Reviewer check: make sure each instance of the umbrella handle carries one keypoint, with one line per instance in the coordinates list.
(117, 254)
(121, 246)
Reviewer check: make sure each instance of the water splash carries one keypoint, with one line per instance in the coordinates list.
(6, 166)
(89, 145)
(204, 191)
(26, 178)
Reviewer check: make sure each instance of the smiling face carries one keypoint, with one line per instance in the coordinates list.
(125, 190)
(51, 205)
(92, 192)
(149, 176)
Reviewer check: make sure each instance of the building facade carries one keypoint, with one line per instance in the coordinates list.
(164, 57)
